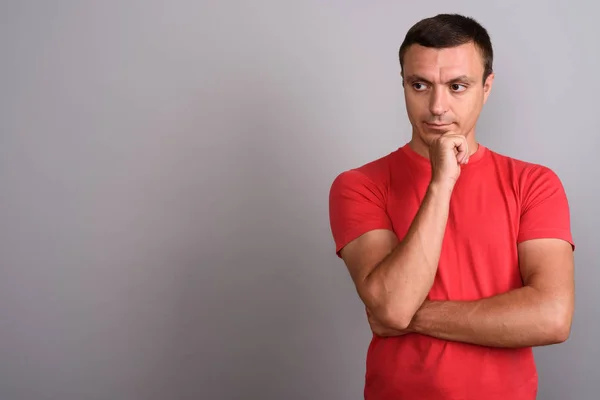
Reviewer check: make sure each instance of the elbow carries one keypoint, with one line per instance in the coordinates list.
(559, 325)
(396, 317)
(389, 314)
(392, 311)
(561, 331)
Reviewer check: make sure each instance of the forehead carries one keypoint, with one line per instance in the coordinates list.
(443, 63)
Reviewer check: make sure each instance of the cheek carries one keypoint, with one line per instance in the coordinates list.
(409, 104)
(467, 110)
(416, 106)
(467, 107)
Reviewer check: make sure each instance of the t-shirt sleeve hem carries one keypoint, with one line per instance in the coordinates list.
(357, 231)
(547, 234)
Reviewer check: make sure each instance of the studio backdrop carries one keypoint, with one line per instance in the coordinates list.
(164, 179)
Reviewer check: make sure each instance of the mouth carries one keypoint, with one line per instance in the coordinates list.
(437, 126)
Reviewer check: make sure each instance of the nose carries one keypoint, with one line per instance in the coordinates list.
(438, 103)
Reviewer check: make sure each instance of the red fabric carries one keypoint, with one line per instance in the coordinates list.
(497, 203)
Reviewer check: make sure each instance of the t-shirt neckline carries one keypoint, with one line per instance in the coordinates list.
(474, 159)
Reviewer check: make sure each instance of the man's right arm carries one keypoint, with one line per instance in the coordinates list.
(394, 277)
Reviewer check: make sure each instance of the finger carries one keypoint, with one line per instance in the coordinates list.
(460, 147)
(465, 150)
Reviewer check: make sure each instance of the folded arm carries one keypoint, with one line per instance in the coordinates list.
(393, 277)
(539, 313)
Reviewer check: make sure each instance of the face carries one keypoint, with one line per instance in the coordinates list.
(444, 91)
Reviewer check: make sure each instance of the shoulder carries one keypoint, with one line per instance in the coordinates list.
(544, 210)
(358, 201)
(526, 173)
(373, 176)
(533, 181)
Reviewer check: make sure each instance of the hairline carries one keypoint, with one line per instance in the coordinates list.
(480, 50)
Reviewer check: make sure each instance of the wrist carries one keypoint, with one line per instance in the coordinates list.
(440, 187)
(416, 324)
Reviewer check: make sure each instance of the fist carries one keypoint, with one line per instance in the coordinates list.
(447, 153)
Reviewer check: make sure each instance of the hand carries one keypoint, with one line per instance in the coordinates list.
(378, 328)
(447, 153)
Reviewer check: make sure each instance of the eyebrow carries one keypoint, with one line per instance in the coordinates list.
(417, 78)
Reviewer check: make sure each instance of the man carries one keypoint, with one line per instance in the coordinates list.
(463, 257)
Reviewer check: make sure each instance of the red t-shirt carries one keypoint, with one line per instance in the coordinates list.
(496, 203)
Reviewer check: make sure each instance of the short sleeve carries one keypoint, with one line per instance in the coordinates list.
(356, 205)
(545, 209)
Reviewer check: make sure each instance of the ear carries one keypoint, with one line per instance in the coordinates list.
(487, 86)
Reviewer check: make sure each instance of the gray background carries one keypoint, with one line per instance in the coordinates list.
(164, 175)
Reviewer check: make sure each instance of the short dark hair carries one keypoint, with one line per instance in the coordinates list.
(450, 30)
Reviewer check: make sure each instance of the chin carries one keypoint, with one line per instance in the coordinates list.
(432, 134)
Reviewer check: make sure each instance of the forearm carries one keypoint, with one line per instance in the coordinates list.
(523, 317)
(400, 283)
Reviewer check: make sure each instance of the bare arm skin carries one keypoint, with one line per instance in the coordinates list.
(538, 314)
(393, 278)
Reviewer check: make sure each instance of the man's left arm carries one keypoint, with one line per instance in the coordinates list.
(537, 314)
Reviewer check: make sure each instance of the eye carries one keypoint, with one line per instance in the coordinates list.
(457, 87)
(419, 87)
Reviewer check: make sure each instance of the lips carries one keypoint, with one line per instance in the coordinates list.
(437, 125)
